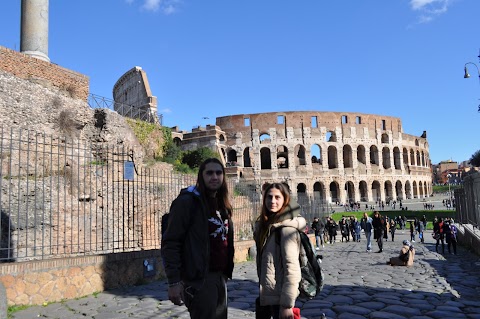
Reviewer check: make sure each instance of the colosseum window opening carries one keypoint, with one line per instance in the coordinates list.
(331, 137)
(281, 119)
(246, 121)
(316, 152)
(265, 158)
(386, 157)
(332, 157)
(344, 119)
(314, 122)
(396, 158)
(384, 125)
(385, 138)
(300, 155)
(374, 155)
(347, 156)
(247, 162)
(358, 120)
(265, 138)
(282, 156)
(361, 157)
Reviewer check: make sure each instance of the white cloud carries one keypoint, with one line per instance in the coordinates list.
(165, 6)
(429, 9)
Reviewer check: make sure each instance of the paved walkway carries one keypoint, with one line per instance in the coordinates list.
(358, 285)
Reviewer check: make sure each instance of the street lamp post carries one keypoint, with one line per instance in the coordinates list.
(467, 75)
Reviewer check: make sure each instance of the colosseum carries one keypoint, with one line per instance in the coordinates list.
(334, 156)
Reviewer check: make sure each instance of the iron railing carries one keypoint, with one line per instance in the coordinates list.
(144, 114)
(62, 198)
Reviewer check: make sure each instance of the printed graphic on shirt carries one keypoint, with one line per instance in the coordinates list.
(218, 227)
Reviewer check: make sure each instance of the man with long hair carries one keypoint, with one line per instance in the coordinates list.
(197, 245)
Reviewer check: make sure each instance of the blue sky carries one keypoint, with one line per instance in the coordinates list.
(212, 58)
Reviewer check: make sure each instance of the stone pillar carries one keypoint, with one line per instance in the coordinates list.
(34, 29)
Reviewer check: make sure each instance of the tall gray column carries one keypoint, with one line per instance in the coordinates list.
(34, 29)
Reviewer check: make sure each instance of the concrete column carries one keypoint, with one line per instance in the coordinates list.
(34, 29)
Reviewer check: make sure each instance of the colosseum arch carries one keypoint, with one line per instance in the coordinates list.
(332, 157)
(408, 190)
(301, 188)
(350, 190)
(419, 163)
(376, 190)
(319, 191)
(415, 189)
(386, 157)
(361, 157)
(420, 189)
(399, 190)
(282, 156)
(264, 138)
(347, 156)
(388, 187)
(265, 158)
(397, 158)
(231, 156)
(334, 192)
(247, 158)
(412, 158)
(422, 155)
(363, 188)
(177, 141)
(425, 189)
(300, 155)
(316, 152)
(405, 157)
(374, 155)
(331, 137)
(385, 138)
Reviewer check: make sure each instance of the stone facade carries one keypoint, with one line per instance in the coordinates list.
(333, 155)
(133, 97)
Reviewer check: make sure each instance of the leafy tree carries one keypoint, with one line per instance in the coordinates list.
(475, 159)
(195, 157)
(171, 152)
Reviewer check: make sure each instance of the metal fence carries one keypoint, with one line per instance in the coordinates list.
(467, 201)
(144, 114)
(61, 198)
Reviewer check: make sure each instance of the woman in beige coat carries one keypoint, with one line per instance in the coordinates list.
(278, 265)
(401, 260)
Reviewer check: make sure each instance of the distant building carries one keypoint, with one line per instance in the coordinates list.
(332, 156)
(133, 97)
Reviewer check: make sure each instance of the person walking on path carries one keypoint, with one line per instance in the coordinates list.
(198, 246)
(406, 256)
(377, 223)
(366, 224)
(438, 234)
(421, 230)
(357, 229)
(318, 226)
(453, 238)
(393, 226)
(278, 264)
(332, 230)
(412, 232)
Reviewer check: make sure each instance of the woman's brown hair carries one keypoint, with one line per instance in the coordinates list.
(265, 218)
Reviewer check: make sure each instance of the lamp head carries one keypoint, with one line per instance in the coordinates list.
(466, 75)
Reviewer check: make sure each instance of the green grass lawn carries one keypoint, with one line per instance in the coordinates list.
(410, 214)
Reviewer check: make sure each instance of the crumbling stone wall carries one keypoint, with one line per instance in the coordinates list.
(51, 75)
